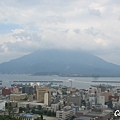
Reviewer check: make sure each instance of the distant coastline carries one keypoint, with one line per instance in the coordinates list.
(59, 75)
(68, 75)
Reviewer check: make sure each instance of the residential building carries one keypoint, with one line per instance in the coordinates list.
(15, 90)
(17, 97)
(27, 89)
(96, 113)
(44, 95)
(75, 99)
(6, 91)
(101, 100)
(64, 114)
(83, 118)
(55, 107)
(106, 94)
(30, 97)
(31, 104)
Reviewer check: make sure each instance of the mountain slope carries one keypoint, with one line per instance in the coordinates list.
(61, 62)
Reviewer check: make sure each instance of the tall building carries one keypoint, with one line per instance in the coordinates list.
(15, 90)
(101, 100)
(27, 89)
(6, 91)
(74, 99)
(106, 94)
(0, 83)
(44, 95)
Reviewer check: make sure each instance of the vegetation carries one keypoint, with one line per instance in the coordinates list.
(44, 112)
(71, 118)
(10, 109)
(7, 118)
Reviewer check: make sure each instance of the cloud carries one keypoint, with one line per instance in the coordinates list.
(45, 24)
(94, 12)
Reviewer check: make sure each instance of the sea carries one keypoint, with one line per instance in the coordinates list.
(77, 82)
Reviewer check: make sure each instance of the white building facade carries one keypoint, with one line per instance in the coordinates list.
(65, 114)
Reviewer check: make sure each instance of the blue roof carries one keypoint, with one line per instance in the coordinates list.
(28, 115)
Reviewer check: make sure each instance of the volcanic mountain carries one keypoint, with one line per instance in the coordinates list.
(60, 62)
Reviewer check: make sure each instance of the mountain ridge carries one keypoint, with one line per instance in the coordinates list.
(60, 62)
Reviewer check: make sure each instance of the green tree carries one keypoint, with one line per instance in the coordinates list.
(7, 117)
(49, 113)
(39, 107)
(53, 114)
(10, 109)
(27, 108)
(6, 105)
(45, 112)
(41, 117)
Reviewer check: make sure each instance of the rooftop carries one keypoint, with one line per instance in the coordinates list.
(28, 115)
(32, 103)
(97, 113)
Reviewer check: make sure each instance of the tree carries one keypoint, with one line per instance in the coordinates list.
(6, 105)
(41, 117)
(21, 109)
(49, 113)
(45, 112)
(7, 117)
(83, 102)
(33, 111)
(10, 109)
(27, 108)
(53, 114)
(39, 107)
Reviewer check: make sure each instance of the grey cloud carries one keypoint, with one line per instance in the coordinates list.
(1, 48)
(27, 36)
(95, 12)
(93, 31)
(55, 19)
(119, 17)
(66, 31)
(25, 42)
(77, 31)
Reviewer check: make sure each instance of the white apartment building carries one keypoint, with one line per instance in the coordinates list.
(65, 114)
(101, 100)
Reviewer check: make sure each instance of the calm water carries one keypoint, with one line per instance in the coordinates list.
(78, 82)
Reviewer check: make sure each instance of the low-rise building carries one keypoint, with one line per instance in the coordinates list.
(83, 118)
(31, 104)
(27, 116)
(75, 99)
(99, 114)
(55, 107)
(17, 97)
(64, 114)
(2, 105)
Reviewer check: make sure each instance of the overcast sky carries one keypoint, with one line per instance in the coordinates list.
(29, 25)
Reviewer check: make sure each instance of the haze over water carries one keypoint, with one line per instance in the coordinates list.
(78, 82)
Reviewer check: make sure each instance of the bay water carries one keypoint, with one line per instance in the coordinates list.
(78, 82)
